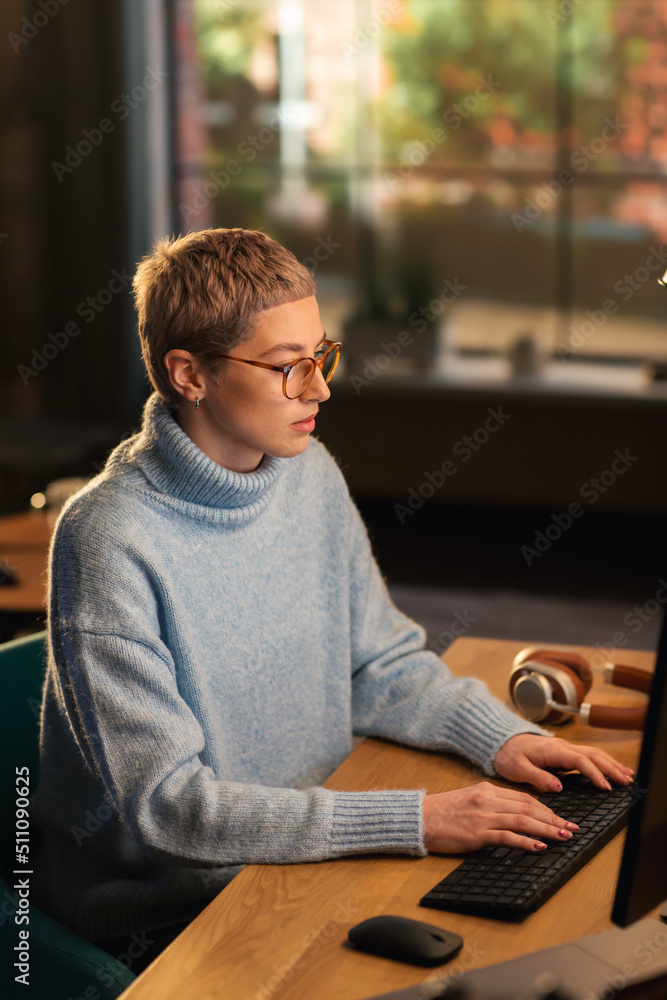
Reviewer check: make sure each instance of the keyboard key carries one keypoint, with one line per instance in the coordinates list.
(501, 852)
(513, 857)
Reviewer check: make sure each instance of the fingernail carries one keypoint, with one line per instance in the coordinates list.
(555, 785)
(565, 834)
(571, 826)
(607, 785)
(539, 846)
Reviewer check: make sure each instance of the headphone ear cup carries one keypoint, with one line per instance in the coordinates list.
(531, 693)
(536, 682)
(558, 658)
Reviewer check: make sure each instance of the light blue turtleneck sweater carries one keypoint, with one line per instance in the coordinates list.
(216, 640)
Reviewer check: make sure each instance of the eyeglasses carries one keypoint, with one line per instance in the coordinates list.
(298, 375)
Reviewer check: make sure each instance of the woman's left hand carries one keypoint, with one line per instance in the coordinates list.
(523, 757)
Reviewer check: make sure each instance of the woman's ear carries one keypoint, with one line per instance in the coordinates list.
(185, 374)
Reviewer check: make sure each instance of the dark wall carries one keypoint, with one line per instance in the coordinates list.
(62, 209)
(524, 449)
(454, 494)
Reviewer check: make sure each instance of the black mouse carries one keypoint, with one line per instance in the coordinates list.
(405, 940)
(7, 575)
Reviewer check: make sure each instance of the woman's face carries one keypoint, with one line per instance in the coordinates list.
(245, 415)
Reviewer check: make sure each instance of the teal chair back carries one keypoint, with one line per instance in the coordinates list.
(62, 965)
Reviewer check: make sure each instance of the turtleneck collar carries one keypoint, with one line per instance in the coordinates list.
(175, 467)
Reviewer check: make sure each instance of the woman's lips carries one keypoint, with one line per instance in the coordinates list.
(307, 425)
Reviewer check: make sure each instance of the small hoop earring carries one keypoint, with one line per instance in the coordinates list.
(197, 403)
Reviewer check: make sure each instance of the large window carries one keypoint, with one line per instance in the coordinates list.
(505, 157)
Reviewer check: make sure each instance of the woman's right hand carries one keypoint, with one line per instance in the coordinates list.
(486, 815)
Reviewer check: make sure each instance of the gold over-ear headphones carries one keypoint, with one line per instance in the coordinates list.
(550, 685)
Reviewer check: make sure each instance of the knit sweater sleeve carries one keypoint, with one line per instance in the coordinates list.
(118, 687)
(402, 691)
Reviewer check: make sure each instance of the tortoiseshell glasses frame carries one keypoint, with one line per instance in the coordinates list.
(298, 374)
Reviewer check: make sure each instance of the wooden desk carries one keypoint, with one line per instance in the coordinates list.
(24, 545)
(30, 529)
(280, 930)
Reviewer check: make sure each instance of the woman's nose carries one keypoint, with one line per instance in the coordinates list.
(318, 389)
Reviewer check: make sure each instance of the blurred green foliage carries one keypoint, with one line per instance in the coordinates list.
(440, 52)
(227, 32)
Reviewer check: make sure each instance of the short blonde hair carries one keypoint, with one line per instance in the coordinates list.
(202, 292)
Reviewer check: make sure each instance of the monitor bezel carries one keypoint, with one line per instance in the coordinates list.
(637, 894)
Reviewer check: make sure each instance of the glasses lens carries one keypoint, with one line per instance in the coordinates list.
(299, 378)
(330, 362)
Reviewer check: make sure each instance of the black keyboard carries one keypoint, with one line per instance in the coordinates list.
(508, 884)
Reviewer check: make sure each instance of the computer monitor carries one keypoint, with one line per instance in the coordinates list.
(642, 881)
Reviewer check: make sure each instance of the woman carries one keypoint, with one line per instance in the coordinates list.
(219, 630)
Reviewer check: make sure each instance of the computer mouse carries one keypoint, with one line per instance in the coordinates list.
(405, 940)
